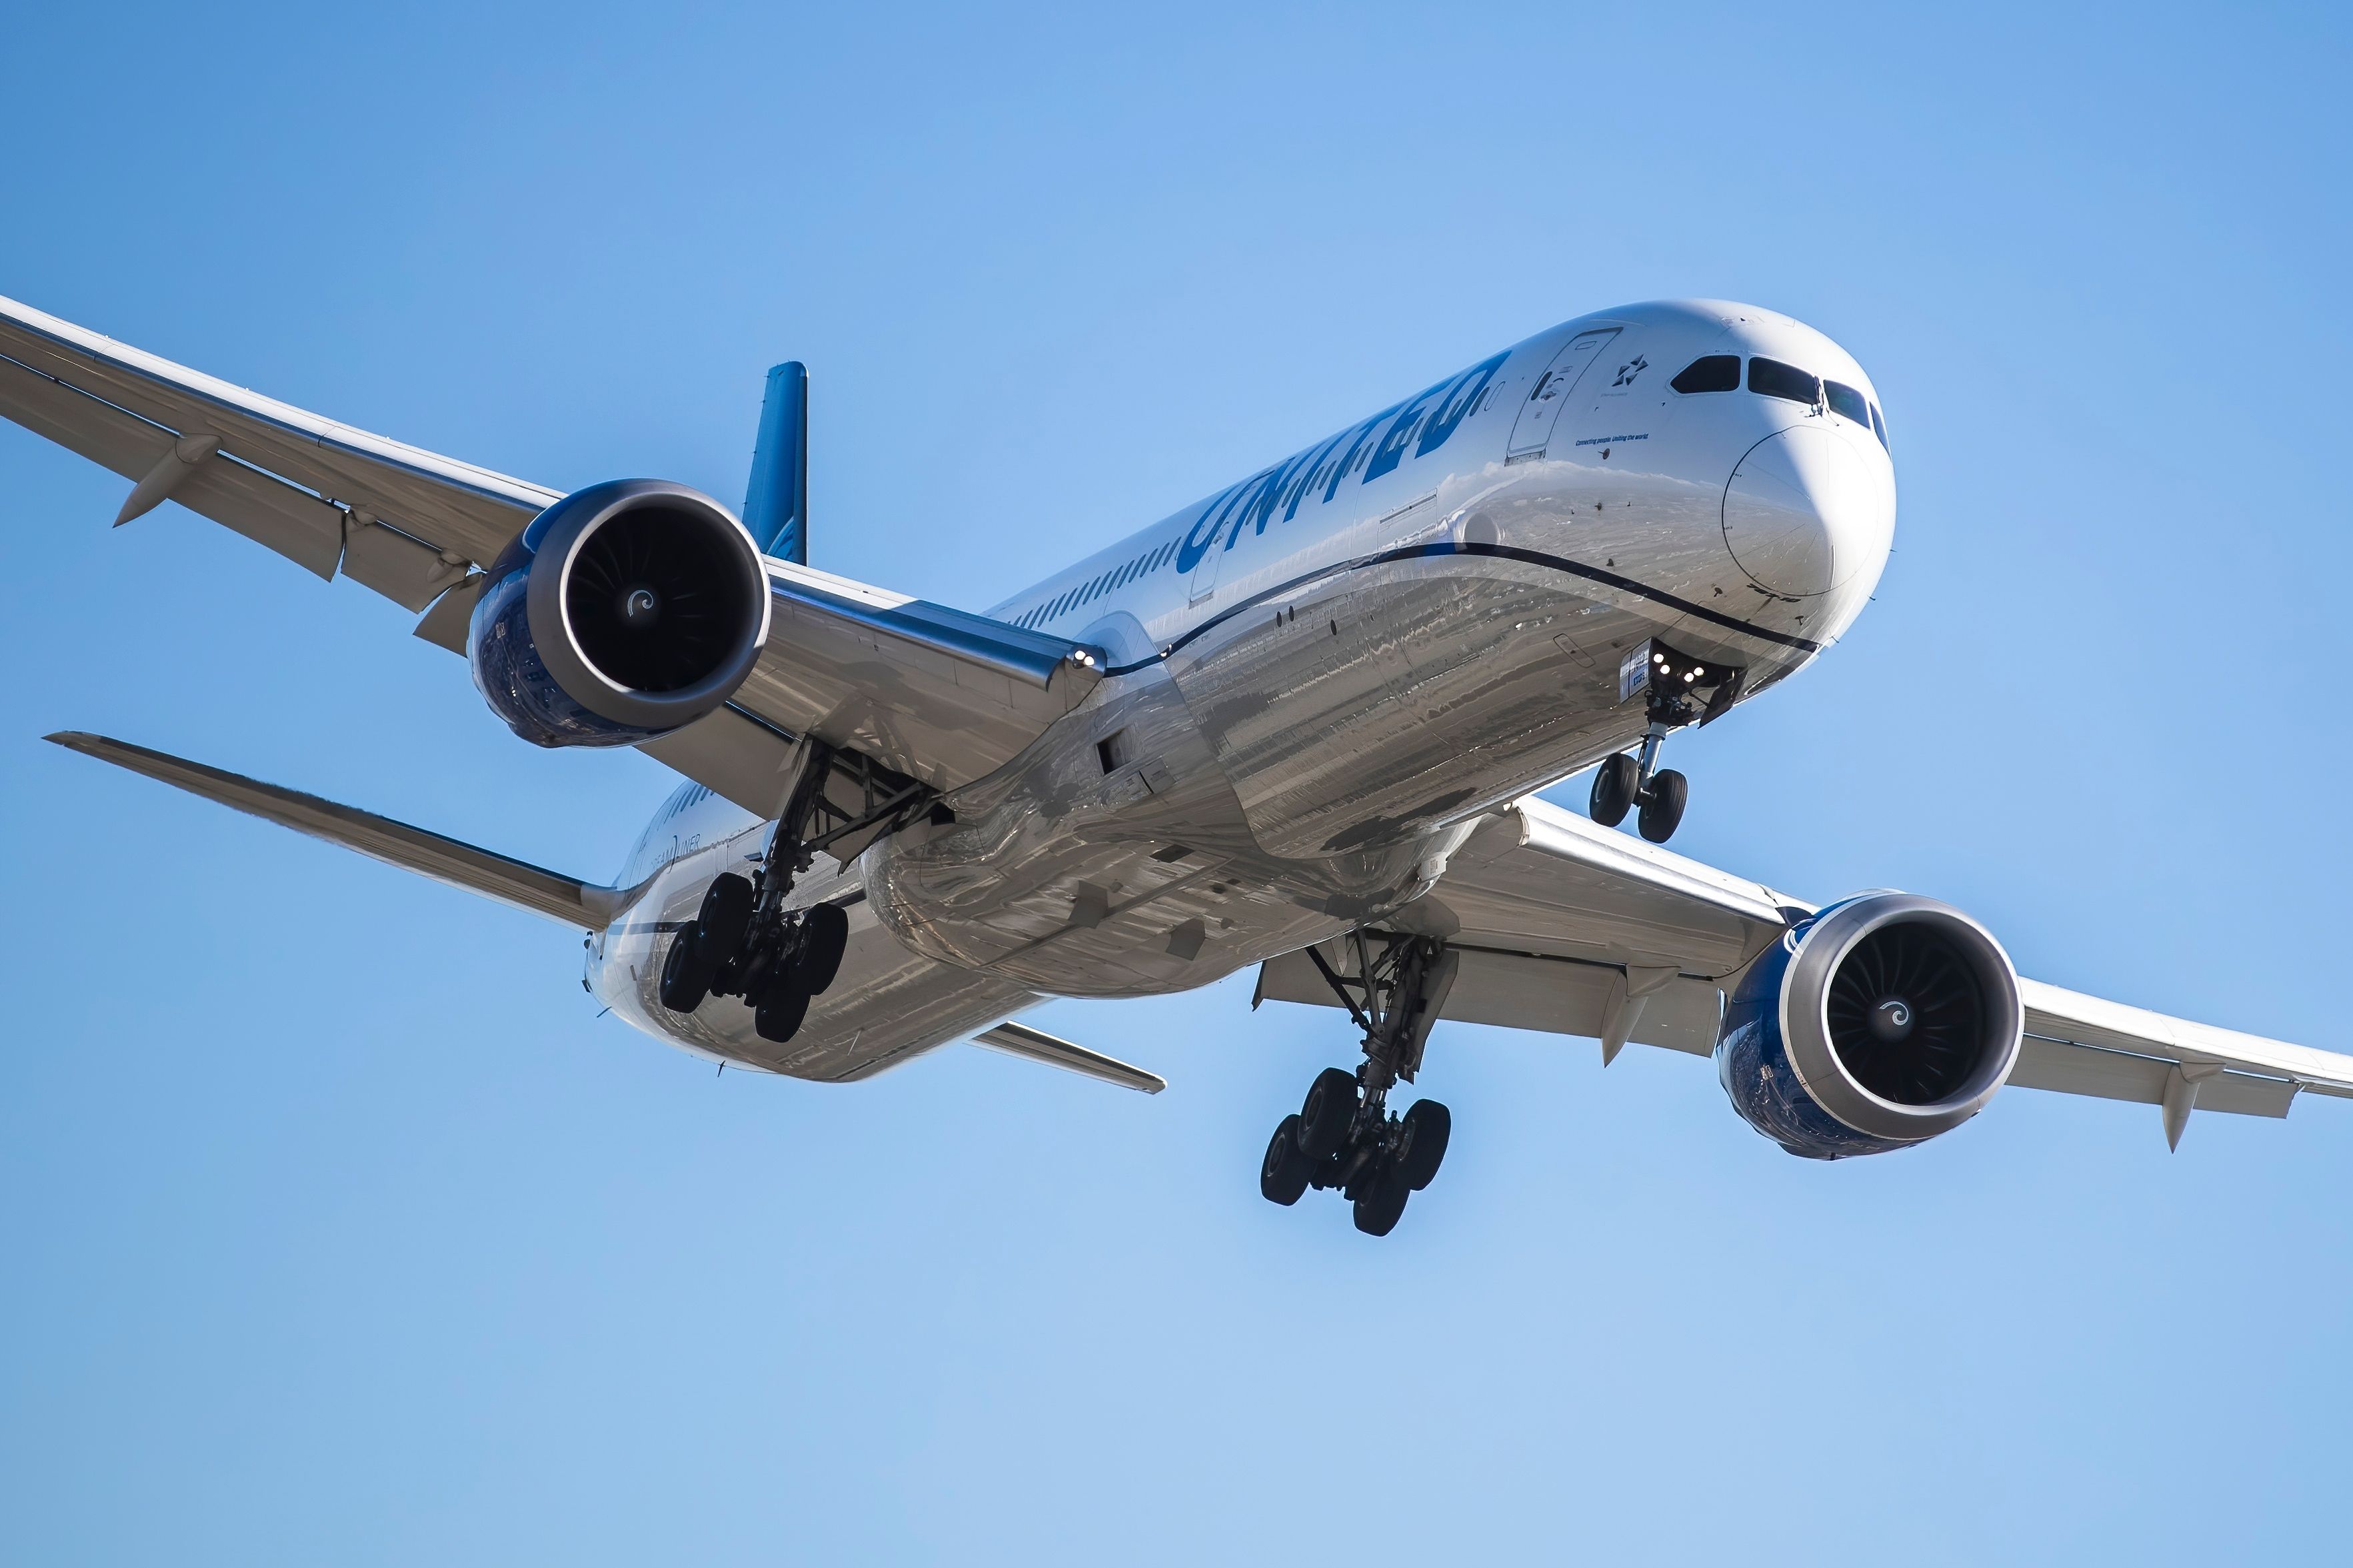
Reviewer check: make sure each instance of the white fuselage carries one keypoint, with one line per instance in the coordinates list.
(1321, 675)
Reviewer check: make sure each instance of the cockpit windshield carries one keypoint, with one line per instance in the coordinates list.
(1715, 373)
(1774, 379)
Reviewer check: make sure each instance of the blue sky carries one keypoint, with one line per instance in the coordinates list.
(338, 1229)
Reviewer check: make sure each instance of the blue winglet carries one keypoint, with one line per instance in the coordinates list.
(775, 504)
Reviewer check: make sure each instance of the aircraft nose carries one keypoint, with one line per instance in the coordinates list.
(1805, 510)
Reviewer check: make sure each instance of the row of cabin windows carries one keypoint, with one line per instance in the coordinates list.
(1119, 576)
(1771, 378)
(688, 796)
(1324, 474)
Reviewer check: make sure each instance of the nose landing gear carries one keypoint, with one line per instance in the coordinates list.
(1683, 691)
(1344, 1137)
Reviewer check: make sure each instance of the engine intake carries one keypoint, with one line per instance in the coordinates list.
(1878, 1024)
(623, 612)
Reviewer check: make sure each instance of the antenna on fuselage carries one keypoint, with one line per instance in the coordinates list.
(775, 503)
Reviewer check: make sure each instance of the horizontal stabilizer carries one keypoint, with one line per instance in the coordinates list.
(1021, 1040)
(494, 876)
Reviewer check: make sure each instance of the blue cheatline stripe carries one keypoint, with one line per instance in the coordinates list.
(1501, 553)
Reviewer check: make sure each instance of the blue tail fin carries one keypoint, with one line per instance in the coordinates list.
(776, 505)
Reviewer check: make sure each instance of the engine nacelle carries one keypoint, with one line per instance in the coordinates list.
(1878, 1024)
(623, 612)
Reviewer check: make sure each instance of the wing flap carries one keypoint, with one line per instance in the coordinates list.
(2086, 1045)
(409, 572)
(459, 506)
(2071, 1019)
(1529, 991)
(1536, 878)
(2118, 1075)
(732, 753)
(932, 692)
(293, 522)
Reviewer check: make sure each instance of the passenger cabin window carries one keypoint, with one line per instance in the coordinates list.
(1774, 379)
(1844, 399)
(1716, 373)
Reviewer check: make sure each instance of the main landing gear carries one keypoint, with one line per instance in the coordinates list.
(775, 958)
(1681, 691)
(744, 942)
(1345, 1138)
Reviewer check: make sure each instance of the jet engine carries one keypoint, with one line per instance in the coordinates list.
(623, 612)
(1878, 1024)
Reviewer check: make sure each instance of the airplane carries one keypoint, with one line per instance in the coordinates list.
(1298, 725)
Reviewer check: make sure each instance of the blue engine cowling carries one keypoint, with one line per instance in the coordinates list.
(623, 612)
(1877, 1025)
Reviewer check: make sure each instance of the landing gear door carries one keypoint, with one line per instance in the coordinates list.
(1540, 410)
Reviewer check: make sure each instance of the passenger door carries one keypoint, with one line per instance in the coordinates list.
(1540, 410)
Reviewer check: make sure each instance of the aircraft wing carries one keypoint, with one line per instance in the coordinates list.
(1569, 928)
(934, 693)
(288, 479)
(928, 691)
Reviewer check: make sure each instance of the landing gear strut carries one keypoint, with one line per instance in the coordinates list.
(1344, 1137)
(744, 942)
(1683, 691)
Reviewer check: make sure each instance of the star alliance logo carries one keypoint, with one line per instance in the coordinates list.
(1627, 372)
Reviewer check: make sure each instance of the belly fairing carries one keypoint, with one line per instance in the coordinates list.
(1070, 876)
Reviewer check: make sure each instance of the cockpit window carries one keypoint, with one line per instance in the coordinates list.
(1716, 373)
(1844, 399)
(1879, 426)
(1774, 379)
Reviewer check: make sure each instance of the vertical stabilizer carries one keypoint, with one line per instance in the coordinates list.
(776, 505)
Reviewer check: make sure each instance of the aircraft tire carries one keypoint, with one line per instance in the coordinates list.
(1330, 1110)
(1428, 1126)
(1662, 808)
(825, 936)
(1377, 1212)
(686, 972)
(725, 915)
(1613, 789)
(779, 1014)
(1283, 1175)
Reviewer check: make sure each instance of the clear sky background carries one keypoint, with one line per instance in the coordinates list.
(335, 1226)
